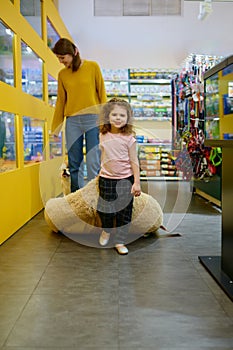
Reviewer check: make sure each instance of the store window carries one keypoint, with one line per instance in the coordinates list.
(6, 54)
(52, 90)
(55, 145)
(31, 10)
(32, 66)
(33, 140)
(7, 142)
(52, 35)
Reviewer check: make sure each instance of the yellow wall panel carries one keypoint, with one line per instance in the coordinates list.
(15, 101)
(20, 199)
(25, 190)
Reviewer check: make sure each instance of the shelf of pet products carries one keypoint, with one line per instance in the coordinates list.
(141, 84)
(147, 107)
(202, 165)
(138, 81)
(188, 95)
(157, 162)
(148, 97)
(138, 74)
(194, 160)
(127, 88)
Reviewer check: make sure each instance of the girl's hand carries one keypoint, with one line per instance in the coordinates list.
(136, 190)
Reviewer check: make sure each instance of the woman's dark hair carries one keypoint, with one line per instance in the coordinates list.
(65, 47)
(105, 125)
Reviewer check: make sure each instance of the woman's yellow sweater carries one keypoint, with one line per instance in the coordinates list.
(79, 92)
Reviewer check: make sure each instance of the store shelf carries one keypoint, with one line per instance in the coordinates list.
(149, 94)
(156, 162)
(156, 143)
(150, 81)
(161, 178)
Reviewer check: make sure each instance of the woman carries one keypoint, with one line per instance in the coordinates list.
(80, 90)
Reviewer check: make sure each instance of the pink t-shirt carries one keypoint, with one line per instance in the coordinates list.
(115, 162)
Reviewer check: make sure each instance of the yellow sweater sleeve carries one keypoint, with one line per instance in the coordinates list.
(79, 92)
(58, 116)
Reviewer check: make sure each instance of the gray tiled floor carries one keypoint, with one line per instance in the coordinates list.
(58, 294)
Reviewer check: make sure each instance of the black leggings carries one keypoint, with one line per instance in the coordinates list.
(115, 205)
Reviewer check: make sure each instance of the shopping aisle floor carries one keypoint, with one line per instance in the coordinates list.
(58, 294)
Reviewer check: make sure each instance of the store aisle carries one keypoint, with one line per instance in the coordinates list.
(57, 294)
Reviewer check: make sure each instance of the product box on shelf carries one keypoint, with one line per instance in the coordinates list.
(149, 164)
(150, 173)
(168, 172)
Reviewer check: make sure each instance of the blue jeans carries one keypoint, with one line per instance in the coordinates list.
(76, 128)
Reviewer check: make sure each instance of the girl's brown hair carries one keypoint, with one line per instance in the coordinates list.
(65, 47)
(105, 125)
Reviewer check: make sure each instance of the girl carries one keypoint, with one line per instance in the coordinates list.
(119, 178)
(80, 90)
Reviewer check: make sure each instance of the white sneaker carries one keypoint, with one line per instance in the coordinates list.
(121, 249)
(104, 238)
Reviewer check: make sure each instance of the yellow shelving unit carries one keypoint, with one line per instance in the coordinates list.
(26, 186)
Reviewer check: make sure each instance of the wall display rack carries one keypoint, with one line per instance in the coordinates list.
(218, 82)
(193, 119)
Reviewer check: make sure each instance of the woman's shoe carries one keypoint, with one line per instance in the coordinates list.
(121, 249)
(104, 238)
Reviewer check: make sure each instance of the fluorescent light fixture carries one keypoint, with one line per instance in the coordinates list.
(205, 9)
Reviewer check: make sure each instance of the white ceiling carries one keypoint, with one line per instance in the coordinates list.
(148, 41)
